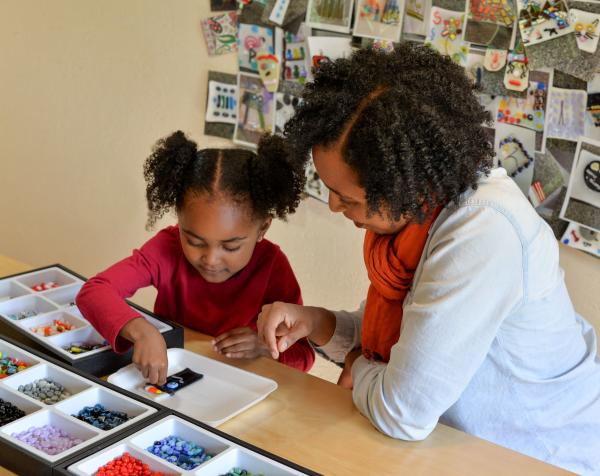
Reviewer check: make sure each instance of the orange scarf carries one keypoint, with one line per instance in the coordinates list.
(391, 262)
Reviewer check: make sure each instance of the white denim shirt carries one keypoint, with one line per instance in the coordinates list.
(490, 342)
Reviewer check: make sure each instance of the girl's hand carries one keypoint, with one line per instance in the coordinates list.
(240, 343)
(149, 350)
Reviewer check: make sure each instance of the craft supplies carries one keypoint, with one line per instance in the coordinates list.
(9, 412)
(45, 390)
(57, 327)
(100, 417)
(185, 454)
(48, 438)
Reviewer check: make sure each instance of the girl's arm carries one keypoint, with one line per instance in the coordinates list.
(102, 298)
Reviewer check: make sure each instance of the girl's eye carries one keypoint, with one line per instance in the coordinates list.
(231, 250)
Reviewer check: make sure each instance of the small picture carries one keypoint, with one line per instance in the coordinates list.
(252, 41)
(415, 17)
(221, 105)
(566, 113)
(543, 20)
(325, 48)
(220, 33)
(287, 100)
(379, 19)
(314, 185)
(515, 152)
(586, 25)
(295, 56)
(446, 34)
(582, 201)
(490, 22)
(548, 177)
(528, 112)
(256, 110)
(332, 15)
(582, 238)
(223, 5)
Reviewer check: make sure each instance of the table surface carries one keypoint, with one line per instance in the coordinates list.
(314, 423)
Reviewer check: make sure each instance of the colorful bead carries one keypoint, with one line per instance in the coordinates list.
(10, 365)
(127, 465)
(100, 417)
(45, 390)
(185, 454)
(44, 286)
(48, 438)
(22, 315)
(57, 327)
(82, 347)
(240, 472)
(9, 412)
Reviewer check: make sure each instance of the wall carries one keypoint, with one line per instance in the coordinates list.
(85, 89)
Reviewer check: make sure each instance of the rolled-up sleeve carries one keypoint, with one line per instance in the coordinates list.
(346, 336)
(471, 279)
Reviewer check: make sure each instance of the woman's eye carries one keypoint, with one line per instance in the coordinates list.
(231, 250)
(195, 244)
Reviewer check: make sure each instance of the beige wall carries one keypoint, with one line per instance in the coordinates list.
(86, 88)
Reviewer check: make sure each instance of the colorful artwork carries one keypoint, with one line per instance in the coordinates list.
(515, 150)
(295, 56)
(582, 238)
(565, 118)
(325, 48)
(527, 112)
(415, 18)
(543, 20)
(222, 102)
(446, 34)
(252, 41)
(490, 22)
(333, 15)
(279, 10)
(516, 75)
(586, 29)
(220, 33)
(256, 110)
(381, 19)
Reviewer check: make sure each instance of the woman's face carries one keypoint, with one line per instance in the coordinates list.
(346, 194)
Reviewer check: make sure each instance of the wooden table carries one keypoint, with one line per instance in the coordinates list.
(314, 423)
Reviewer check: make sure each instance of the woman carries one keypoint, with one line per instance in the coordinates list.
(467, 320)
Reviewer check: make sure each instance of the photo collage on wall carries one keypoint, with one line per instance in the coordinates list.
(536, 65)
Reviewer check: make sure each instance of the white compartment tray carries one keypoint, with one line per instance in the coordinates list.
(224, 391)
(226, 454)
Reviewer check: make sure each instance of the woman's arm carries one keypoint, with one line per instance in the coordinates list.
(470, 282)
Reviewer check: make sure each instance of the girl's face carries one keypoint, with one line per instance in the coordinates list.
(218, 234)
(347, 195)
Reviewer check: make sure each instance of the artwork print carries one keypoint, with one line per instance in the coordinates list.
(380, 19)
(566, 114)
(222, 102)
(220, 33)
(490, 22)
(543, 20)
(332, 15)
(587, 29)
(446, 34)
(256, 110)
(252, 41)
(515, 151)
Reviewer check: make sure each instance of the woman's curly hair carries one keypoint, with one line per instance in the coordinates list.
(411, 126)
(266, 181)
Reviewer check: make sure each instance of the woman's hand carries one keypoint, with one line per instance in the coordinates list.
(149, 350)
(281, 324)
(240, 343)
(345, 379)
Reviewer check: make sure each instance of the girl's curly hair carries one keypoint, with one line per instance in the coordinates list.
(409, 122)
(266, 181)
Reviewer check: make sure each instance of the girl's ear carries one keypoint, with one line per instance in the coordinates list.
(264, 228)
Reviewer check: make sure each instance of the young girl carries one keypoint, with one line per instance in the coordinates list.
(213, 271)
